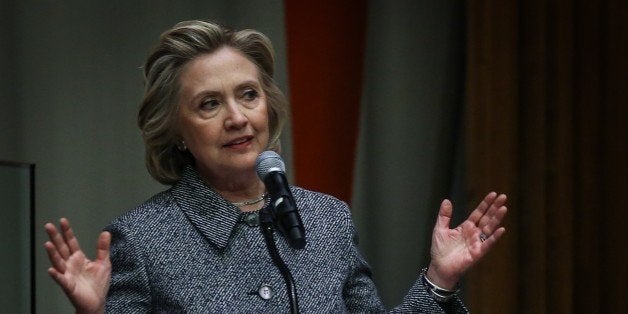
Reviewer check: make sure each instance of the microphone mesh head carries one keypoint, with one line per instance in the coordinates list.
(268, 161)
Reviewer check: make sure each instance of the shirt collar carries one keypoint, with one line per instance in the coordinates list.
(212, 215)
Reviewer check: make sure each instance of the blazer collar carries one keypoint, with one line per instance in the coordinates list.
(211, 214)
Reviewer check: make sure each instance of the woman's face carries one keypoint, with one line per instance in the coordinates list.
(223, 118)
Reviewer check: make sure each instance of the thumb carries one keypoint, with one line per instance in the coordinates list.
(444, 214)
(102, 246)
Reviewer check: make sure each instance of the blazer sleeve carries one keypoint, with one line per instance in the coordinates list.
(129, 291)
(361, 295)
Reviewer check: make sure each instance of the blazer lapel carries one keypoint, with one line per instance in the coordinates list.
(211, 214)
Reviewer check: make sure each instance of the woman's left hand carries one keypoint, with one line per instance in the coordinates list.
(454, 251)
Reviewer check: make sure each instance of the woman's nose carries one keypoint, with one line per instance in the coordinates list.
(235, 119)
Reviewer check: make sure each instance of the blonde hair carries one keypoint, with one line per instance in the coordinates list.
(158, 111)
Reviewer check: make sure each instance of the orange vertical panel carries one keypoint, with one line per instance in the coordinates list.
(326, 42)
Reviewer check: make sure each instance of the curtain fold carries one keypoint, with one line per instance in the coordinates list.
(546, 123)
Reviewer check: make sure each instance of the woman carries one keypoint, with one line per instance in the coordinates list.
(210, 107)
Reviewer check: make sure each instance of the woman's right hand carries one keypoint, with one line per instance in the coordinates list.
(84, 281)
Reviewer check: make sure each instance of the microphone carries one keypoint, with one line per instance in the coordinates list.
(271, 170)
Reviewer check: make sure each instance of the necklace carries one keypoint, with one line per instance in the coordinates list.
(250, 202)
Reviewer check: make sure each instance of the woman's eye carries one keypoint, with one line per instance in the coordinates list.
(250, 95)
(209, 104)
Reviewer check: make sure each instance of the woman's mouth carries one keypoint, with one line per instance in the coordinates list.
(239, 142)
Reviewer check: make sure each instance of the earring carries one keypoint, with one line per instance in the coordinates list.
(181, 145)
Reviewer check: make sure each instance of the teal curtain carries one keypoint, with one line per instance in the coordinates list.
(409, 144)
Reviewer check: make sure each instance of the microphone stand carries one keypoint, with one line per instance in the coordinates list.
(267, 224)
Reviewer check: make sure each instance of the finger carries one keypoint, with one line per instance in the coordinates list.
(68, 235)
(492, 210)
(60, 280)
(490, 241)
(489, 224)
(102, 247)
(482, 208)
(58, 241)
(56, 261)
(497, 203)
(495, 213)
(444, 214)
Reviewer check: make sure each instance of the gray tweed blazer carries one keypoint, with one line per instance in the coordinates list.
(189, 250)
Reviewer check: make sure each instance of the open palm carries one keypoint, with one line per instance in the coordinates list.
(454, 251)
(84, 281)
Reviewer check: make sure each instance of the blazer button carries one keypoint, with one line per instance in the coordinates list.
(266, 292)
(252, 219)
